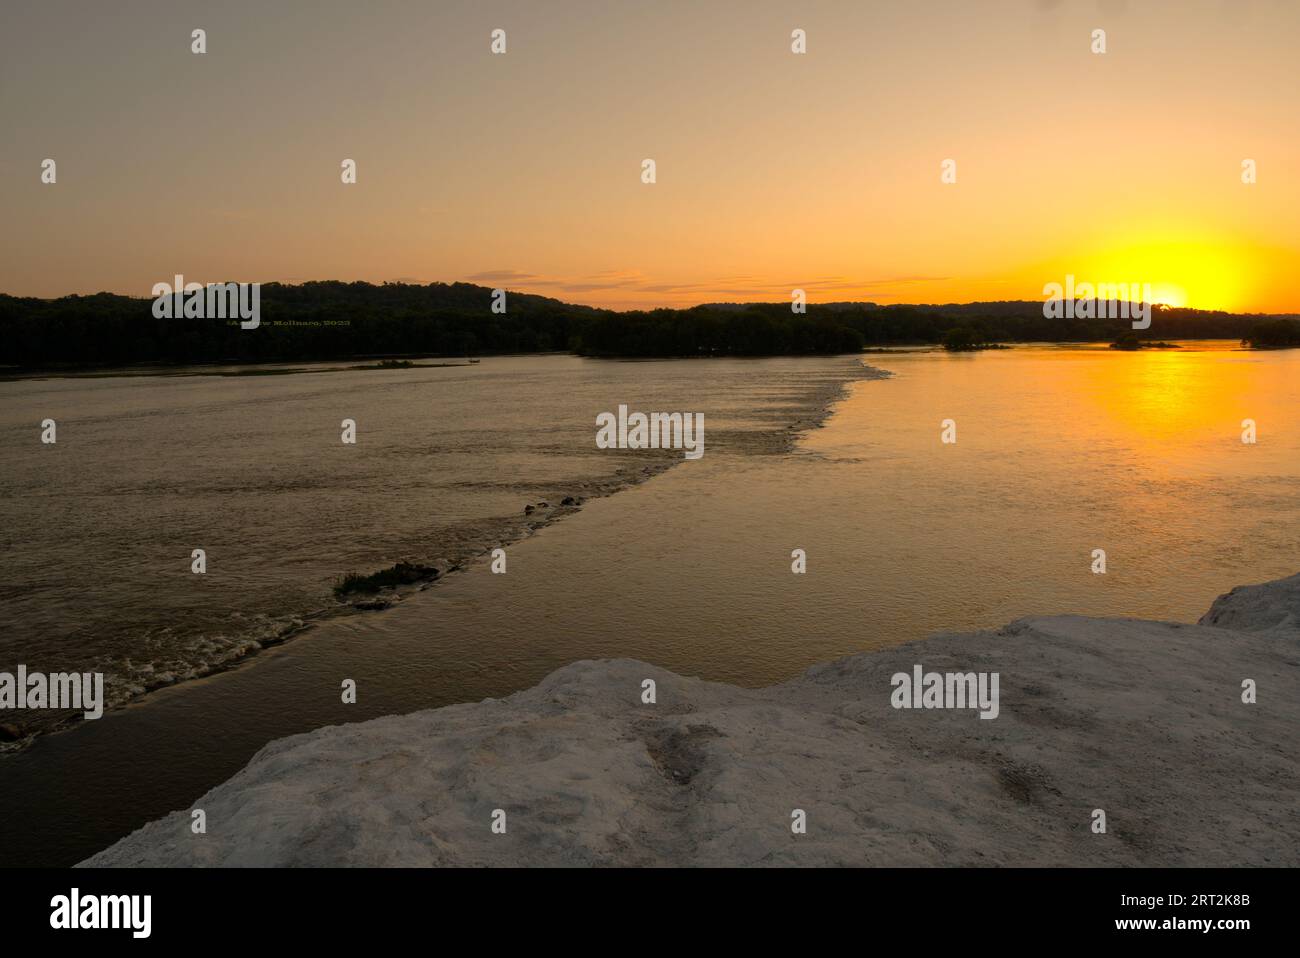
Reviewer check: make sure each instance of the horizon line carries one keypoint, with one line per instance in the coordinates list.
(644, 309)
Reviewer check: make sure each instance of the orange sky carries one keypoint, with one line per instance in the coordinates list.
(775, 170)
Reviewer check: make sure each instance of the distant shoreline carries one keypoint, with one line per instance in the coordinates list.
(350, 322)
(235, 369)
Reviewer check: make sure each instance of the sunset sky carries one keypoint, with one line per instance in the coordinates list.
(775, 170)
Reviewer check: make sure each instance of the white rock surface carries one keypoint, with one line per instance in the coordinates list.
(1141, 719)
(1271, 606)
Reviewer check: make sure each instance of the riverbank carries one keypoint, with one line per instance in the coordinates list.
(1142, 721)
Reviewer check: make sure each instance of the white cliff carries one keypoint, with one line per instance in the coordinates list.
(1144, 720)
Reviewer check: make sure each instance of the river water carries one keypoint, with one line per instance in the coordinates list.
(1060, 451)
(100, 526)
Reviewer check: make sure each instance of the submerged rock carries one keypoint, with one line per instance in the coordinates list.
(1144, 720)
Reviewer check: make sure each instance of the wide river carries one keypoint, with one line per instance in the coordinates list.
(1060, 451)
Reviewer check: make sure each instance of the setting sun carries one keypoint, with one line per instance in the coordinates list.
(1167, 294)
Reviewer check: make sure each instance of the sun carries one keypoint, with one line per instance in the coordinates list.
(1198, 273)
(1168, 294)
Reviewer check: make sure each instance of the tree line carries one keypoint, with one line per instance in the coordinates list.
(336, 320)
